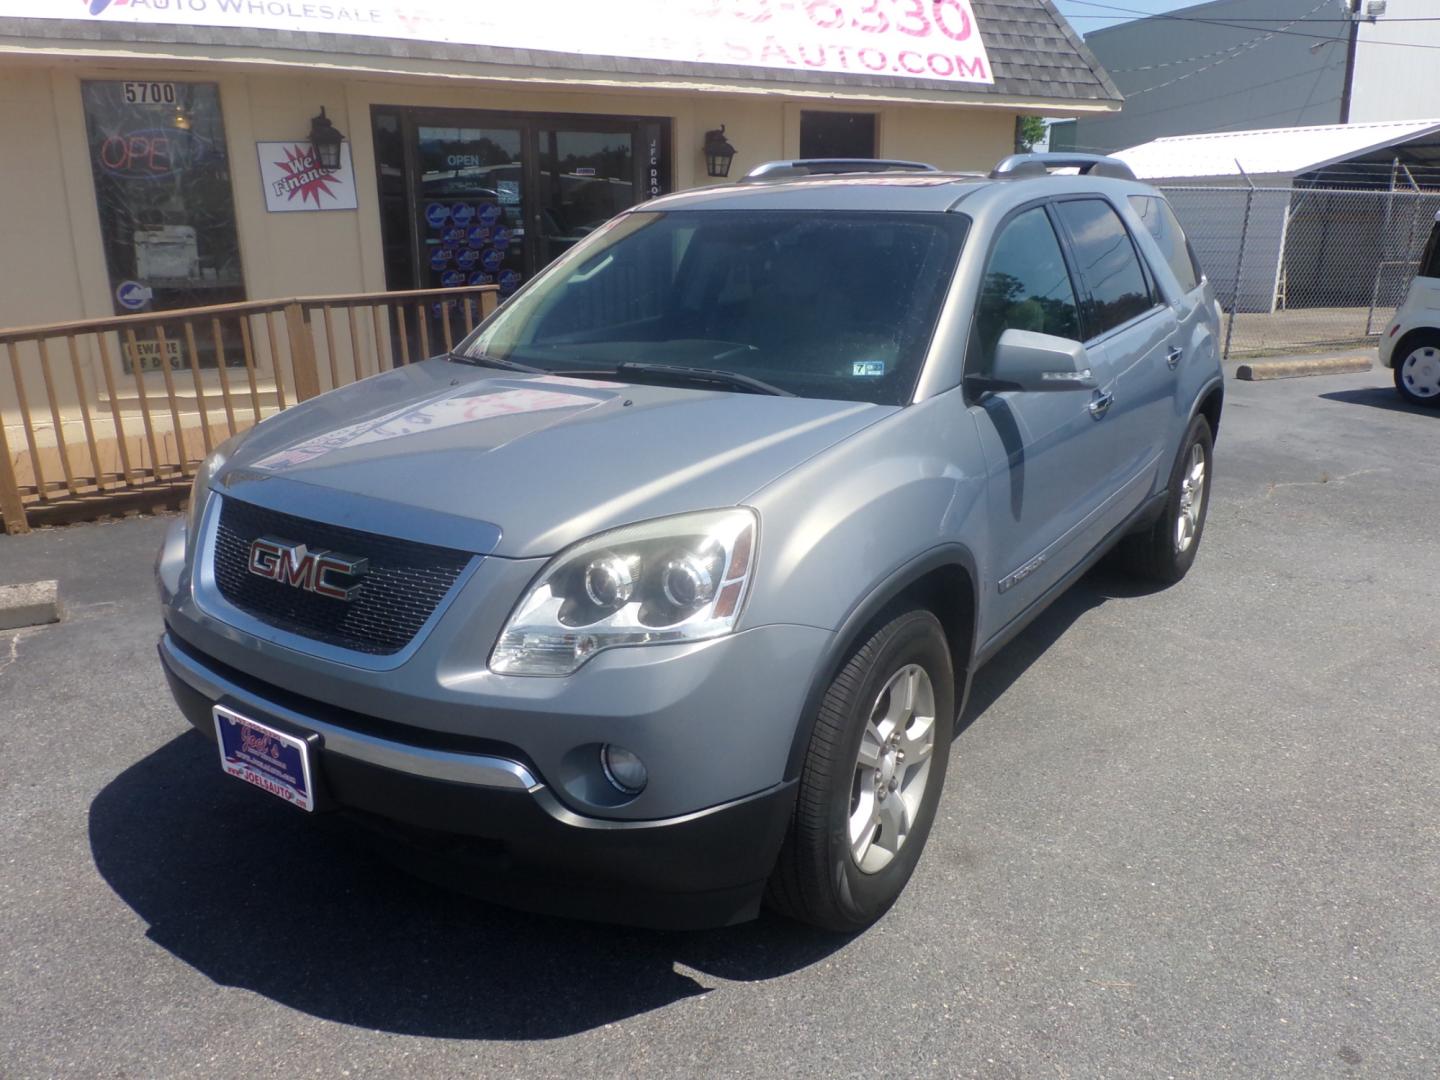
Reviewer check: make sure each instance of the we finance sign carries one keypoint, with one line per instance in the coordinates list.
(925, 39)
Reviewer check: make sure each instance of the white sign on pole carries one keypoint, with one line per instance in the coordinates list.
(924, 39)
(293, 179)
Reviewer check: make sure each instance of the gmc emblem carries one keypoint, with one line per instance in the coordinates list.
(296, 566)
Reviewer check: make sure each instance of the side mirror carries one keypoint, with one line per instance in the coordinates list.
(1025, 360)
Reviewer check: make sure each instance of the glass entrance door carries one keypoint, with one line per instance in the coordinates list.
(470, 223)
(586, 178)
(475, 198)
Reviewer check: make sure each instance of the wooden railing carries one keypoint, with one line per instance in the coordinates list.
(125, 408)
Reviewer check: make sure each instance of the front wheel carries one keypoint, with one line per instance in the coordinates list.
(1417, 372)
(871, 779)
(1166, 551)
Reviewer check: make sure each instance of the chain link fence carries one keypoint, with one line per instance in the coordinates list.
(1305, 269)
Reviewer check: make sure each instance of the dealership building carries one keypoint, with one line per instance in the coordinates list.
(176, 172)
(162, 154)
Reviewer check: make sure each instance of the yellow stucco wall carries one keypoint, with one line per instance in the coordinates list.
(53, 266)
(49, 209)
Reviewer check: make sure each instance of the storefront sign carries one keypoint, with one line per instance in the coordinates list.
(293, 179)
(927, 39)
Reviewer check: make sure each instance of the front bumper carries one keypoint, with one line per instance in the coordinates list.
(482, 818)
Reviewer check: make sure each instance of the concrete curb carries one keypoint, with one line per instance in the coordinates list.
(1260, 370)
(32, 604)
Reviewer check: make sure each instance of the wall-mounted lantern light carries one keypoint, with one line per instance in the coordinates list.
(325, 140)
(718, 152)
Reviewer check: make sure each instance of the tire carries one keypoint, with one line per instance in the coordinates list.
(1166, 551)
(826, 874)
(1417, 369)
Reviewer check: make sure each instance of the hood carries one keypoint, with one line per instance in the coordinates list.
(544, 460)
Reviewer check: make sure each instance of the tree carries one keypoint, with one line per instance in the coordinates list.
(1029, 130)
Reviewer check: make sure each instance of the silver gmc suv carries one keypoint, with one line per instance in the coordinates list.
(659, 597)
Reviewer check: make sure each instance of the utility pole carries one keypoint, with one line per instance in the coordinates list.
(1352, 11)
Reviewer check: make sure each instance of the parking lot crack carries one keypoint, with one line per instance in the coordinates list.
(1325, 478)
(10, 654)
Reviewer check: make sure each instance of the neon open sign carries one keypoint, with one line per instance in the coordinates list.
(152, 153)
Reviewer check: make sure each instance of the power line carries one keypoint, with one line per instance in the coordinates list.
(1238, 19)
(1186, 60)
(1215, 97)
(1242, 26)
(1233, 54)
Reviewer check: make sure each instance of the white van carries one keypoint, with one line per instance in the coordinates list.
(1412, 344)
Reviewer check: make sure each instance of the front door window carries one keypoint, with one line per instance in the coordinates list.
(586, 178)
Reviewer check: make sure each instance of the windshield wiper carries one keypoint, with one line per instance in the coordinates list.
(486, 360)
(682, 374)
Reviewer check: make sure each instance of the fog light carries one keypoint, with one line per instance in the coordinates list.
(623, 769)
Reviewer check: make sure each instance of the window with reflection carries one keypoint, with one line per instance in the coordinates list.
(1026, 287)
(1160, 221)
(1109, 268)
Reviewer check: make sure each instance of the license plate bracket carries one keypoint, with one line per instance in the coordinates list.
(265, 757)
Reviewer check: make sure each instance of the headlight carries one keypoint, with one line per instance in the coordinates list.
(200, 489)
(669, 580)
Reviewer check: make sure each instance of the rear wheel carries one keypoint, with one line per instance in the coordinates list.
(871, 779)
(1165, 551)
(1417, 370)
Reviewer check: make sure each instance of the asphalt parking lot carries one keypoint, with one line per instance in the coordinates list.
(1186, 833)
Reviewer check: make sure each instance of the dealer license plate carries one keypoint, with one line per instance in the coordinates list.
(271, 760)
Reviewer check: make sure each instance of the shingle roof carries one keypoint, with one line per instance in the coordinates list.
(1033, 52)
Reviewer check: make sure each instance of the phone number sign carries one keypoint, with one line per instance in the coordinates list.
(907, 39)
(929, 39)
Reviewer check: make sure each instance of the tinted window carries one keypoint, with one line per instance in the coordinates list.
(1170, 237)
(1026, 286)
(1430, 260)
(1109, 268)
(837, 135)
(825, 305)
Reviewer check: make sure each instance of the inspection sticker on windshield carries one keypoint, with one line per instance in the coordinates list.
(868, 369)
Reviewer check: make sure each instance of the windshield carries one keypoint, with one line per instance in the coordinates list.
(819, 304)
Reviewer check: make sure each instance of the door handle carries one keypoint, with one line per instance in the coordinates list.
(1173, 356)
(1100, 404)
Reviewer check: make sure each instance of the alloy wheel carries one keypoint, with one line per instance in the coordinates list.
(892, 768)
(1192, 500)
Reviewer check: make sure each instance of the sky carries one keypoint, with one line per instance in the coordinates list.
(1085, 17)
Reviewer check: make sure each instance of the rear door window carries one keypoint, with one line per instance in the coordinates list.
(1162, 224)
(1110, 272)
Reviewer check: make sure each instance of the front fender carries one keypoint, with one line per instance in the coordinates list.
(846, 533)
(839, 525)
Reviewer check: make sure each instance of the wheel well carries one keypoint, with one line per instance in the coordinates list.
(1210, 409)
(948, 593)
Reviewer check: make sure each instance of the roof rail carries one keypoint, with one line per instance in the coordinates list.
(782, 170)
(1017, 166)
